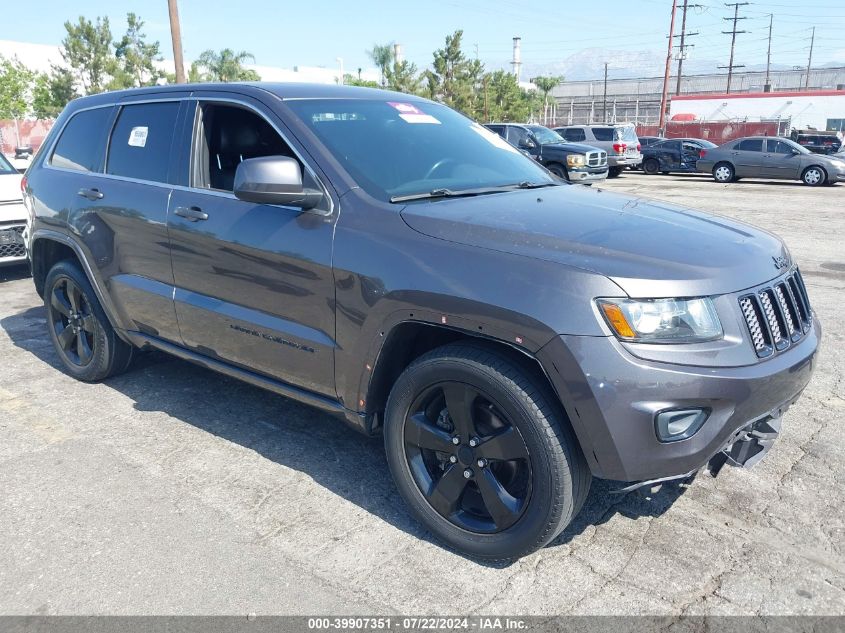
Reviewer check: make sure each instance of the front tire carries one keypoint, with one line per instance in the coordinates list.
(558, 170)
(482, 455)
(82, 336)
(724, 173)
(814, 176)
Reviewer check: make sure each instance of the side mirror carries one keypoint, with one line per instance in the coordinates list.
(274, 180)
(527, 143)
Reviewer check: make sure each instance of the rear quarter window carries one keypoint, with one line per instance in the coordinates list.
(140, 144)
(80, 146)
(603, 133)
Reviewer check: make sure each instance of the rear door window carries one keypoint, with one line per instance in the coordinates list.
(81, 144)
(750, 145)
(603, 133)
(140, 145)
(575, 135)
(498, 129)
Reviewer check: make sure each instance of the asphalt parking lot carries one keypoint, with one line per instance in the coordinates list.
(174, 490)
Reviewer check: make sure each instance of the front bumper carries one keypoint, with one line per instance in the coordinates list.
(12, 242)
(612, 397)
(587, 174)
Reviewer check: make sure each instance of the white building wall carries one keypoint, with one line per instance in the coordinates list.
(811, 109)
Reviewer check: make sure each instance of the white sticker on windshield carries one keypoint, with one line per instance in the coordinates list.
(138, 136)
(412, 114)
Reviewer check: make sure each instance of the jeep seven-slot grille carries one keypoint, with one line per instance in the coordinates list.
(778, 315)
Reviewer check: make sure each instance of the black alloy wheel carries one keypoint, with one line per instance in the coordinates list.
(82, 335)
(73, 323)
(468, 460)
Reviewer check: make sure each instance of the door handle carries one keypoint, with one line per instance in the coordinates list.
(91, 194)
(192, 214)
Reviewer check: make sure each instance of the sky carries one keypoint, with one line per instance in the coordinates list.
(288, 34)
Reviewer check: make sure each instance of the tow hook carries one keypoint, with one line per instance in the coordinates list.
(749, 447)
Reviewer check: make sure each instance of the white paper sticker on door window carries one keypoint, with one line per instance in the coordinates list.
(138, 136)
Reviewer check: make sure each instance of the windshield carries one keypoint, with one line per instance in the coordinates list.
(394, 149)
(6, 166)
(545, 136)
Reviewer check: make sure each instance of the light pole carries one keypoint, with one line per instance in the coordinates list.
(340, 61)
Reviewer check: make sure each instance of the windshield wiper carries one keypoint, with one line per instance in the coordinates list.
(451, 193)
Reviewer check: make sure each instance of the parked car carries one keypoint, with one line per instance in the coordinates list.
(769, 157)
(618, 140)
(817, 141)
(674, 155)
(645, 141)
(389, 261)
(12, 215)
(571, 161)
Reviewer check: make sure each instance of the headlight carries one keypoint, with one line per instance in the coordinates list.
(662, 320)
(575, 160)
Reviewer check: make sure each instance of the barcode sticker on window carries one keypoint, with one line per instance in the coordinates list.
(138, 136)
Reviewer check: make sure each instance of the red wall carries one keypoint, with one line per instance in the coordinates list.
(716, 131)
(31, 132)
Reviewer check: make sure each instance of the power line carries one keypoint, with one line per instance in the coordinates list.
(682, 47)
(733, 33)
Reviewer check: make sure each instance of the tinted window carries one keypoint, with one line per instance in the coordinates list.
(516, 135)
(750, 145)
(780, 147)
(140, 143)
(81, 143)
(229, 135)
(603, 133)
(421, 146)
(5, 166)
(575, 134)
(498, 129)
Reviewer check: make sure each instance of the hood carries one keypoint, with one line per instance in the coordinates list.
(571, 147)
(648, 248)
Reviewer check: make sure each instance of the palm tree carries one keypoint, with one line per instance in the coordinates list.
(382, 56)
(227, 65)
(546, 85)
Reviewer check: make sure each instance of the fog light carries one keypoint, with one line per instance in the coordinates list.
(679, 424)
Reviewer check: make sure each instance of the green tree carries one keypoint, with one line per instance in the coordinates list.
(455, 79)
(503, 99)
(545, 85)
(382, 56)
(352, 80)
(52, 92)
(87, 49)
(226, 65)
(16, 82)
(134, 58)
(402, 77)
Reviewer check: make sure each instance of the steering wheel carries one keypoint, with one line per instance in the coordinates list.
(443, 161)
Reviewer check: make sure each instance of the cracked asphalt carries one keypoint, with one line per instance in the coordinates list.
(173, 490)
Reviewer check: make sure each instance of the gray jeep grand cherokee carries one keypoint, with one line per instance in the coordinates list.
(387, 260)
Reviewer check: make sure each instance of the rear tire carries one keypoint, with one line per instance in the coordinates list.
(614, 172)
(534, 478)
(82, 336)
(724, 173)
(814, 176)
(651, 166)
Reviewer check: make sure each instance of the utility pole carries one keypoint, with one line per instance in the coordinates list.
(767, 86)
(810, 60)
(176, 36)
(733, 32)
(682, 48)
(604, 101)
(662, 119)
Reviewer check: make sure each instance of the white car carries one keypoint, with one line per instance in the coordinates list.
(13, 215)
